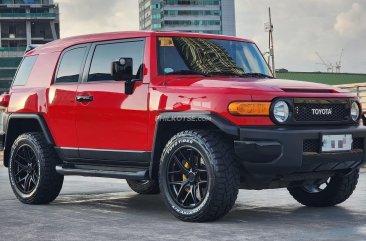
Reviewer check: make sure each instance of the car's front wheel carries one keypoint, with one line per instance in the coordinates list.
(199, 177)
(330, 192)
(32, 171)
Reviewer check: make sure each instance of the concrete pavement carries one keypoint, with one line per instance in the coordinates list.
(106, 209)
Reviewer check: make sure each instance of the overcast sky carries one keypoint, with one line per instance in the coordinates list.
(301, 27)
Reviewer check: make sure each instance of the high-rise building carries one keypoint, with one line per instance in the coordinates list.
(198, 16)
(22, 23)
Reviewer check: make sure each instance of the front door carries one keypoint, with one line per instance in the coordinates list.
(110, 124)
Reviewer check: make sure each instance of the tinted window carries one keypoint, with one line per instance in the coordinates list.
(105, 54)
(70, 66)
(24, 70)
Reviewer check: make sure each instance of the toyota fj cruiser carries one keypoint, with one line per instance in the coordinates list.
(193, 116)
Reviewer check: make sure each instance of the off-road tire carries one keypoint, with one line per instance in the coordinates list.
(144, 187)
(49, 181)
(339, 189)
(218, 153)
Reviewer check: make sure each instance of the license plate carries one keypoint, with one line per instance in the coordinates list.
(334, 143)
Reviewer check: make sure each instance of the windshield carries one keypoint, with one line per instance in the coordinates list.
(182, 55)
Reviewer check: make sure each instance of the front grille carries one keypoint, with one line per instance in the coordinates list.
(314, 145)
(334, 112)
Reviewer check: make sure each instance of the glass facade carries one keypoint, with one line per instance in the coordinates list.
(192, 13)
(198, 16)
(191, 23)
(192, 2)
(25, 2)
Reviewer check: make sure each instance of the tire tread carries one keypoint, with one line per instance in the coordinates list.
(227, 177)
(50, 183)
(152, 187)
(340, 189)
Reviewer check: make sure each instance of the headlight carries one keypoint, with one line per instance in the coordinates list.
(281, 111)
(355, 111)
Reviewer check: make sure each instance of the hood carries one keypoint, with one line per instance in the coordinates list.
(280, 85)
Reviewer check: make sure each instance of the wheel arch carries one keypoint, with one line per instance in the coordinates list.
(170, 123)
(17, 124)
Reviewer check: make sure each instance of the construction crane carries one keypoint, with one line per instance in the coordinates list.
(339, 63)
(327, 64)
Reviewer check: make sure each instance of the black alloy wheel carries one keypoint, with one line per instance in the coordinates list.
(316, 187)
(187, 177)
(25, 169)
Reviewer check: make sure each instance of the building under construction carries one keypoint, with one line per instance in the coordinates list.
(22, 23)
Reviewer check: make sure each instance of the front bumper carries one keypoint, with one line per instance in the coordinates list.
(280, 151)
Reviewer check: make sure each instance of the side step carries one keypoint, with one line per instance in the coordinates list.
(132, 175)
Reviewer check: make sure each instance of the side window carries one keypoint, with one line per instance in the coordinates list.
(24, 71)
(105, 54)
(70, 66)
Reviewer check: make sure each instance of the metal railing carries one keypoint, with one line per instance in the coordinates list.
(12, 49)
(27, 15)
(11, 52)
(359, 89)
(25, 2)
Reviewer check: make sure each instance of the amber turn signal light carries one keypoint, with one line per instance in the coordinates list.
(249, 108)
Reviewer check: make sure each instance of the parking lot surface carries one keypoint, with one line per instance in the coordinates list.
(106, 209)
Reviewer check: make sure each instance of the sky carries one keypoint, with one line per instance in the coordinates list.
(301, 28)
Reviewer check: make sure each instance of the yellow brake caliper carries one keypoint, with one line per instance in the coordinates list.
(187, 166)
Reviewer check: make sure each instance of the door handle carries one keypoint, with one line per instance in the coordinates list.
(84, 98)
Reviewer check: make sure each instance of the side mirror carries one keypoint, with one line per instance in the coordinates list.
(122, 69)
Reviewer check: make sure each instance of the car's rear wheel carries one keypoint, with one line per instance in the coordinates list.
(144, 187)
(199, 177)
(32, 172)
(329, 192)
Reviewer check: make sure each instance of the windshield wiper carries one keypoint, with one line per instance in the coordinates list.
(257, 75)
(186, 72)
(224, 73)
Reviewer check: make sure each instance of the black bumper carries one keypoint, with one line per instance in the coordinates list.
(279, 151)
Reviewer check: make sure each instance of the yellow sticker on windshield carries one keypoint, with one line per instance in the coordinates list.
(166, 42)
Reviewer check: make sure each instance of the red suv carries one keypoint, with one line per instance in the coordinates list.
(195, 116)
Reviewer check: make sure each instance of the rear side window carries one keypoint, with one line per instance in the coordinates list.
(24, 70)
(70, 66)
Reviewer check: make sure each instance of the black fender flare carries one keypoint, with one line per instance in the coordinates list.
(174, 117)
(9, 131)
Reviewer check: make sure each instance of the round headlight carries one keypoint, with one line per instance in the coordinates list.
(281, 111)
(355, 111)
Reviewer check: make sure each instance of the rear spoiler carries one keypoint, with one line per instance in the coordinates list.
(32, 46)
